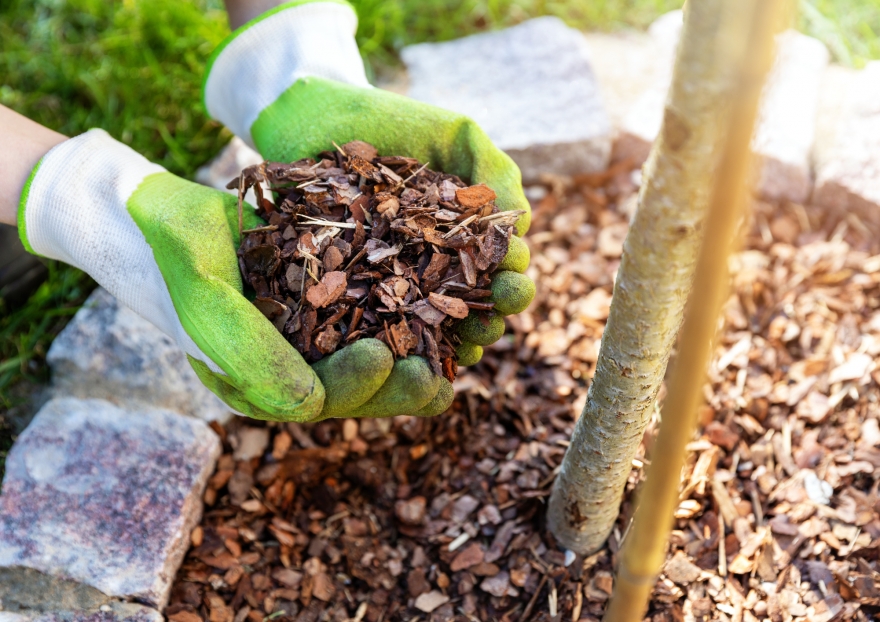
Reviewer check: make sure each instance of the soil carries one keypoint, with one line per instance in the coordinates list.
(443, 518)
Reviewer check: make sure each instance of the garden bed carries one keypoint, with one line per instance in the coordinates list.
(443, 518)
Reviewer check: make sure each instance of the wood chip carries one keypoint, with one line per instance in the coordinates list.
(475, 196)
(328, 291)
(454, 307)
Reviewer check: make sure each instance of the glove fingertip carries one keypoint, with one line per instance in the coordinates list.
(267, 398)
(468, 354)
(518, 256)
(408, 389)
(512, 292)
(246, 404)
(353, 375)
(473, 330)
(440, 403)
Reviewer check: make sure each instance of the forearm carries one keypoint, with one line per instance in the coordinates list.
(22, 143)
(242, 11)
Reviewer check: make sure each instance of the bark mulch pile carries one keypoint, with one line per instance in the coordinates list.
(359, 245)
(442, 519)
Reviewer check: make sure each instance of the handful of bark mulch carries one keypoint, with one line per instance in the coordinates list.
(360, 245)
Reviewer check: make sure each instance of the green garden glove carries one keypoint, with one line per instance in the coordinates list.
(166, 248)
(292, 83)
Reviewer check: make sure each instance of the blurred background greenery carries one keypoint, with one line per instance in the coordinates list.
(134, 68)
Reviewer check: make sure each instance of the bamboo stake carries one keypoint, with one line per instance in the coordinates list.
(748, 39)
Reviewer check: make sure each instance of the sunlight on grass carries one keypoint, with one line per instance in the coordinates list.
(850, 28)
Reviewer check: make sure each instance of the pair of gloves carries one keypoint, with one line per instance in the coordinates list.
(290, 83)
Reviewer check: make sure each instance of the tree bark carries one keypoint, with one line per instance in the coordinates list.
(650, 291)
(749, 51)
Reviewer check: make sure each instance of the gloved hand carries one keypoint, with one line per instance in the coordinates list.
(291, 83)
(166, 248)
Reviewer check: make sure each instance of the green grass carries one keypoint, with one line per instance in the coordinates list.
(850, 28)
(27, 332)
(134, 68)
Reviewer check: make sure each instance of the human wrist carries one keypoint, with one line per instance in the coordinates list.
(262, 59)
(24, 143)
(240, 12)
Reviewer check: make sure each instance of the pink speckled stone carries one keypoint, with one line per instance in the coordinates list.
(106, 496)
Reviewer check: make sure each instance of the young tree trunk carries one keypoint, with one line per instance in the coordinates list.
(749, 50)
(651, 289)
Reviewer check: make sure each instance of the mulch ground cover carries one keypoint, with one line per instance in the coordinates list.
(443, 518)
(359, 245)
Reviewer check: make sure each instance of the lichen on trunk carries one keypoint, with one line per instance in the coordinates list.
(650, 291)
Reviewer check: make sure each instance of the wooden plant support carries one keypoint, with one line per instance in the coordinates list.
(746, 41)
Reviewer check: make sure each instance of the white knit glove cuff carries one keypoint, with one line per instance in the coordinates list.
(258, 64)
(76, 211)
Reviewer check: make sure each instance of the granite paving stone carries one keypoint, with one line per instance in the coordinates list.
(848, 158)
(626, 64)
(106, 496)
(110, 352)
(786, 130)
(530, 87)
(113, 612)
(25, 589)
(27, 595)
(642, 115)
